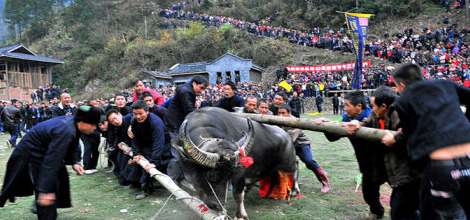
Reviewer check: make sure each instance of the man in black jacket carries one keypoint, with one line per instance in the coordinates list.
(319, 103)
(45, 112)
(112, 149)
(231, 99)
(11, 116)
(279, 99)
(182, 104)
(65, 106)
(437, 131)
(160, 111)
(296, 105)
(335, 101)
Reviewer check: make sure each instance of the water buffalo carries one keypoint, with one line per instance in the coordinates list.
(209, 141)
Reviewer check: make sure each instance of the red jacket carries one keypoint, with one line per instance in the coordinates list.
(157, 98)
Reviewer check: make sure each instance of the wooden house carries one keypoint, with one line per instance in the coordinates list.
(23, 71)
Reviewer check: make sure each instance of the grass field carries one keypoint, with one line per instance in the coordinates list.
(98, 197)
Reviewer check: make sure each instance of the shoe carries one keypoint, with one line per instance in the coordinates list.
(92, 171)
(34, 208)
(141, 195)
(374, 216)
(8, 144)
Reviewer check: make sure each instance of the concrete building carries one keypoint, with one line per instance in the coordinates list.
(226, 67)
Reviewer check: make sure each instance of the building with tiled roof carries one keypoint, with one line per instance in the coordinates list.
(224, 68)
(22, 71)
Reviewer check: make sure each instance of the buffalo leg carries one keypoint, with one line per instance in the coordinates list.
(239, 196)
(295, 188)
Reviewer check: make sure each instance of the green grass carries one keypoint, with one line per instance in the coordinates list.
(97, 196)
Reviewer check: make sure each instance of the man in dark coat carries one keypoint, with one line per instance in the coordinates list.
(113, 152)
(45, 112)
(128, 174)
(296, 105)
(279, 99)
(231, 99)
(437, 131)
(160, 111)
(181, 105)
(151, 140)
(184, 102)
(32, 116)
(335, 101)
(319, 103)
(11, 116)
(65, 107)
(40, 94)
(38, 162)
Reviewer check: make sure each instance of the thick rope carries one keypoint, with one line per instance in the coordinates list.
(156, 214)
(224, 211)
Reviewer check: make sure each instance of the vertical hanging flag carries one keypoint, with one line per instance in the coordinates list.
(358, 25)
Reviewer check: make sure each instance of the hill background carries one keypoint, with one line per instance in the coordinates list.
(103, 43)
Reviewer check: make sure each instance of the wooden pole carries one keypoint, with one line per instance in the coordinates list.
(370, 134)
(193, 203)
(467, 10)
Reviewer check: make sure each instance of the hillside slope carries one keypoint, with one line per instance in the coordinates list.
(104, 43)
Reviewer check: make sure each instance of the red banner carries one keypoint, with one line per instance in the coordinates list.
(335, 67)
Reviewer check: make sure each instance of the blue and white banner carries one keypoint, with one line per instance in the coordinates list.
(358, 25)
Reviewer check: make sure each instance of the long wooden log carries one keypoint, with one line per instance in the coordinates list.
(193, 203)
(370, 134)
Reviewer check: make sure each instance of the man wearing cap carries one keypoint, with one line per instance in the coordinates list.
(38, 162)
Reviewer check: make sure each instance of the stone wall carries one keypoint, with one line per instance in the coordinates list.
(311, 107)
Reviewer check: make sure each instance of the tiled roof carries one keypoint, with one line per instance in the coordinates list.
(189, 68)
(144, 70)
(19, 51)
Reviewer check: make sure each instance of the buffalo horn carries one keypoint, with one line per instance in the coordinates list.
(195, 153)
(247, 140)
